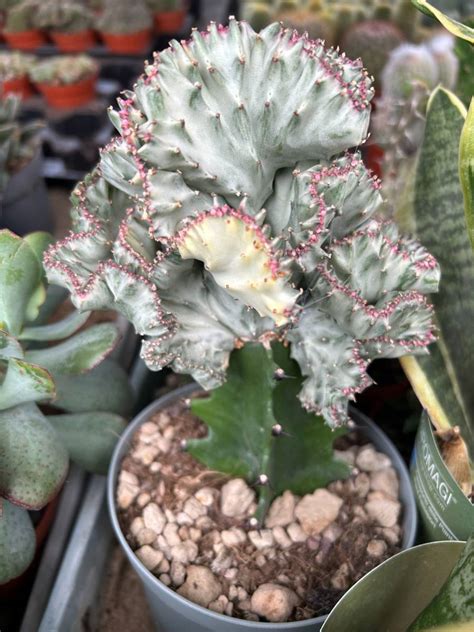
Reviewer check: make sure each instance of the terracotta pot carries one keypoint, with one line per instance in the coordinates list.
(73, 42)
(169, 21)
(18, 85)
(127, 43)
(25, 40)
(69, 96)
(8, 590)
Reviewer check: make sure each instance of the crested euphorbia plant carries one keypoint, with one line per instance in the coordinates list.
(233, 223)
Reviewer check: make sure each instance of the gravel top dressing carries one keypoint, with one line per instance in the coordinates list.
(193, 528)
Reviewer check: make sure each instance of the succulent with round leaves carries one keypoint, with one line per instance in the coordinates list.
(123, 16)
(21, 16)
(372, 41)
(233, 225)
(14, 64)
(65, 16)
(63, 69)
(61, 364)
(18, 143)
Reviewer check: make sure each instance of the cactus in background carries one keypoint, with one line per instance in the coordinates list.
(68, 16)
(164, 5)
(122, 16)
(409, 77)
(333, 16)
(63, 69)
(372, 41)
(34, 448)
(229, 211)
(13, 65)
(18, 143)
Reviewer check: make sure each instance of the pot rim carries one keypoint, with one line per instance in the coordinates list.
(124, 443)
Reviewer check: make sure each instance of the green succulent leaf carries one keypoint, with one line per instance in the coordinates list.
(445, 376)
(33, 460)
(89, 437)
(453, 26)
(9, 347)
(466, 168)
(303, 457)
(106, 388)
(241, 416)
(20, 280)
(17, 541)
(455, 601)
(25, 382)
(56, 331)
(80, 353)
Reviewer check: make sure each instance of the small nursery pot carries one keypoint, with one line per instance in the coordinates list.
(173, 613)
(73, 42)
(445, 512)
(25, 40)
(19, 85)
(127, 43)
(69, 96)
(25, 205)
(169, 21)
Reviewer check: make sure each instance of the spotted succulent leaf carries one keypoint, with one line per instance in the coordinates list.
(33, 460)
(17, 541)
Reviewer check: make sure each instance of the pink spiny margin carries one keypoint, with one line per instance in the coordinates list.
(333, 171)
(358, 92)
(227, 211)
(130, 134)
(372, 312)
(398, 248)
(83, 288)
(124, 229)
(409, 344)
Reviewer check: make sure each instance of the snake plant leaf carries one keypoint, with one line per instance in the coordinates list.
(17, 541)
(466, 168)
(89, 437)
(465, 82)
(242, 415)
(393, 594)
(455, 601)
(106, 388)
(25, 382)
(453, 26)
(56, 331)
(80, 353)
(33, 460)
(20, 278)
(441, 227)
